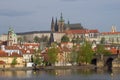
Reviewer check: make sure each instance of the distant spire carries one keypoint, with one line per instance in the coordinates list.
(113, 29)
(51, 39)
(61, 18)
(67, 27)
(52, 25)
(56, 25)
(68, 22)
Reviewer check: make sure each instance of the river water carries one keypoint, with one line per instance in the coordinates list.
(68, 74)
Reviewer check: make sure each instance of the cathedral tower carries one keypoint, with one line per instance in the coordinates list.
(61, 24)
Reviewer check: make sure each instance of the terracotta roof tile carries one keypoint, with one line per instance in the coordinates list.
(11, 47)
(31, 44)
(109, 33)
(2, 62)
(113, 50)
(15, 55)
(27, 51)
(84, 31)
(3, 54)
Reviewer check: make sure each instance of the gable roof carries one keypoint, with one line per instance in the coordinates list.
(74, 26)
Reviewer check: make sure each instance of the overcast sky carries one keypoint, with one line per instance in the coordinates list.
(35, 15)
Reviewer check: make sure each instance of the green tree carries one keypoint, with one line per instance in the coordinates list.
(107, 52)
(102, 40)
(100, 50)
(78, 40)
(14, 61)
(65, 38)
(52, 54)
(20, 40)
(44, 38)
(25, 38)
(73, 55)
(36, 39)
(37, 60)
(85, 53)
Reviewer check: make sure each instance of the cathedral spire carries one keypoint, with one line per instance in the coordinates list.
(52, 25)
(68, 22)
(51, 39)
(56, 25)
(113, 29)
(67, 25)
(61, 18)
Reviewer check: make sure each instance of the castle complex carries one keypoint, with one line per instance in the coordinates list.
(23, 45)
(58, 29)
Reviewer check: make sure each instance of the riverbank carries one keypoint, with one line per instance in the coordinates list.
(70, 67)
(49, 67)
(16, 68)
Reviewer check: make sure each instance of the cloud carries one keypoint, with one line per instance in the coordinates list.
(12, 13)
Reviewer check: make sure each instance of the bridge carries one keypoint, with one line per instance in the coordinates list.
(104, 61)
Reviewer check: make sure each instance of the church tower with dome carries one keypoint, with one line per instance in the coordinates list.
(12, 37)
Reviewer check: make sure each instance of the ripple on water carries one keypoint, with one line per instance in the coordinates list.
(58, 75)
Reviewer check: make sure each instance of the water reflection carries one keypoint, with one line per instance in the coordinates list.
(15, 74)
(61, 74)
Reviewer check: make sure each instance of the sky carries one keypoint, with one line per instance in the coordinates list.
(36, 15)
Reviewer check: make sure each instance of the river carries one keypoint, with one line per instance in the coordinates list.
(61, 74)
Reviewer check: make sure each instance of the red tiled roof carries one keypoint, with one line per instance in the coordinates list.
(15, 55)
(109, 33)
(31, 44)
(12, 47)
(82, 31)
(3, 54)
(76, 31)
(94, 31)
(2, 62)
(113, 50)
(25, 51)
